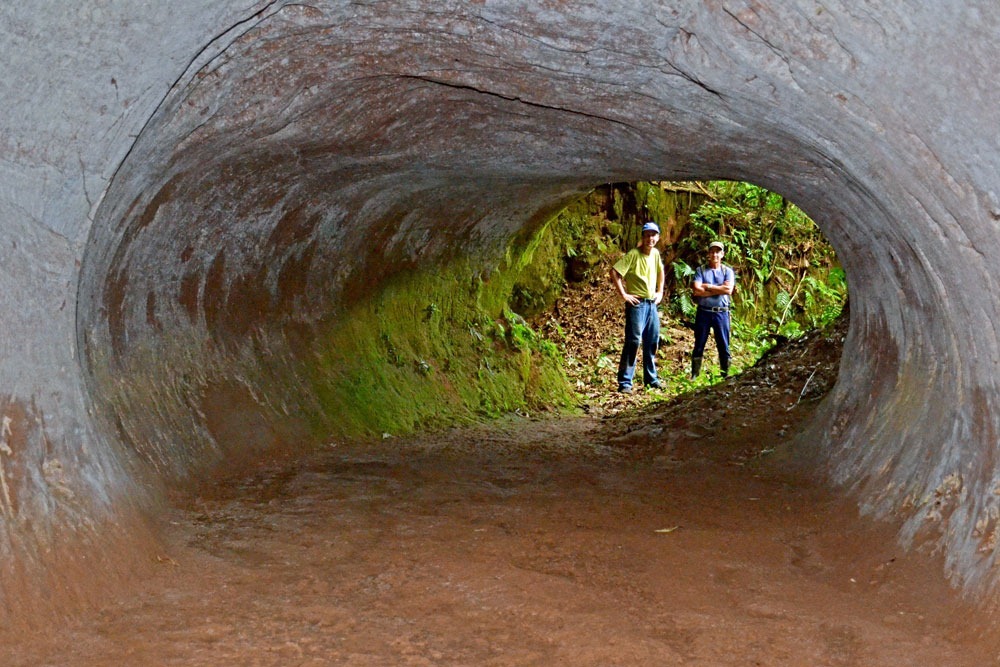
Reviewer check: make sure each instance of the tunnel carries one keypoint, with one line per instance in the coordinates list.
(195, 195)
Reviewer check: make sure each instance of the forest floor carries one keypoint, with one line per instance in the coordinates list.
(639, 533)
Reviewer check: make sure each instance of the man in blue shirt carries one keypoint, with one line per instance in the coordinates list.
(638, 277)
(713, 284)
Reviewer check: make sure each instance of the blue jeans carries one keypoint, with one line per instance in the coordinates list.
(642, 327)
(718, 323)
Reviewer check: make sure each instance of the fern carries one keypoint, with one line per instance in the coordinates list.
(687, 306)
(682, 270)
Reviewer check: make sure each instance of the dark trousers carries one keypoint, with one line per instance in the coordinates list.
(717, 323)
(642, 327)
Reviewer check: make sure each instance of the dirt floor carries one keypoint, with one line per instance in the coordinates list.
(673, 535)
(644, 532)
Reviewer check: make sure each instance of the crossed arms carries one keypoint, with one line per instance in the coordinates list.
(704, 289)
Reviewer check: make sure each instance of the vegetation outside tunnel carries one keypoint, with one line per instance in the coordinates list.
(788, 277)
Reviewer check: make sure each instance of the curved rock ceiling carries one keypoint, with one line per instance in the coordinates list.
(176, 178)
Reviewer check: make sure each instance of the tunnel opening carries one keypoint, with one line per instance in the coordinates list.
(788, 276)
(405, 348)
(288, 176)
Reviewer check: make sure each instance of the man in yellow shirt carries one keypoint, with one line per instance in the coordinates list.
(638, 277)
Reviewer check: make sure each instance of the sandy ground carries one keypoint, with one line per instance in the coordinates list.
(574, 541)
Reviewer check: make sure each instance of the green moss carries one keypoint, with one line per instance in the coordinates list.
(436, 348)
(566, 248)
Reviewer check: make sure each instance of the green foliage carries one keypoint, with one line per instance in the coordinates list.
(682, 270)
(824, 299)
(686, 305)
(783, 301)
(748, 342)
(788, 279)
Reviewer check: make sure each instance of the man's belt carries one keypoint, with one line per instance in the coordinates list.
(713, 310)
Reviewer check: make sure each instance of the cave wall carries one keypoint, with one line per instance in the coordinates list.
(194, 194)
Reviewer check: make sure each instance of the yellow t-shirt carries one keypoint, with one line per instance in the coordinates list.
(640, 272)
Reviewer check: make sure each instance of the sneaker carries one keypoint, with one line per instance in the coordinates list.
(624, 390)
(654, 385)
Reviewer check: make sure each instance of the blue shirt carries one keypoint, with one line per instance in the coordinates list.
(717, 276)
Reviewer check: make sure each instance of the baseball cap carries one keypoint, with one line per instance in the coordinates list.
(651, 227)
(717, 244)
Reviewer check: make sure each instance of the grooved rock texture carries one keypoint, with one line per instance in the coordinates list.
(192, 192)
